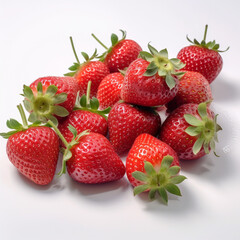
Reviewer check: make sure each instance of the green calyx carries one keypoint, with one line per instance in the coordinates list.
(209, 45)
(205, 129)
(163, 66)
(44, 105)
(76, 66)
(91, 105)
(162, 181)
(114, 40)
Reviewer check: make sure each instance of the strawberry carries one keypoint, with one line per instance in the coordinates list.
(191, 130)
(193, 88)
(109, 90)
(50, 98)
(151, 80)
(32, 149)
(89, 70)
(120, 54)
(152, 165)
(85, 116)
(202, 57)
(126, 122)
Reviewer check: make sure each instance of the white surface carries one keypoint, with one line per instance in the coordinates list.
(35, 42)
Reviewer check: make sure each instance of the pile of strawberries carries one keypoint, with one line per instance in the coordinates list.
(109, 106)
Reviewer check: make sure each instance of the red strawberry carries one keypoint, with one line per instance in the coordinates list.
(85, 116)
(50, 97)
(193, 88)
(153, 166)
(153, 80)
(89, 70)
(126, 122)
(33, 149)
(120, 54)
(109, 90)
(191, 130)
(202, 57)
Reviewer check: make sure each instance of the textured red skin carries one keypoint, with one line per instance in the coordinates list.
(143, 90)
(34, 152)
(94, 161)
(93, 71)
(193, 88)
(65, 85)
(109, 90)
(199, 59)
(173, 131)
(150, 149)
(83, 120)
(122, 54)
(126, 123)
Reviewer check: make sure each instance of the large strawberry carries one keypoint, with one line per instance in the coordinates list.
(193, 88)
(121, 53)
(126, 122)
(151, 80)
(50, 98)
(191, 130)
(89, 70)
(85, 116)
(109, 90)
(202, 57)
(153, 166)
(32, 149)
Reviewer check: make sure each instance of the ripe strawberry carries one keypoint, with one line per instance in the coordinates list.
(32, 149)
(121, 53)
(152, 165)
(50, 97)
(202, 57)
(85, 116)
(89, 70)
(151, 80)
(109, 90)
(191, 130)
(193, 88)
(126, 122)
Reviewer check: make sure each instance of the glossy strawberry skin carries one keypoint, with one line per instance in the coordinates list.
(94, 161)
(193, 88)
(147, 148)
(122, 54)
(126, 122)
(144, 90)
(109, 90)
(34, 152)
(93, 71)
(199, 59)
(83, 120)
(173, 131)
(66, 85)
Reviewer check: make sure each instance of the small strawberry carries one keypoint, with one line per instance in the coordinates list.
(50, 98)
(126, 122)
(151, 80)
(191, 130)
(193, 88)
(85, 116)
(32, 149)
(109, 90)
(202, 57)
(153, 166)
(121, 53)
(89, 70)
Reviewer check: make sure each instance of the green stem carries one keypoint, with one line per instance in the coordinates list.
(23, 116)
(205, 33)
(74, 51)
(88, 94)
(99, 42)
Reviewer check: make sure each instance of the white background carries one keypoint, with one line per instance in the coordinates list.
(34, 42)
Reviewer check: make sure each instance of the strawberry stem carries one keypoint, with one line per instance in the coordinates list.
(74, 51)
(23, 116)
(205, 33)
(88, 93)
(99, 42)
